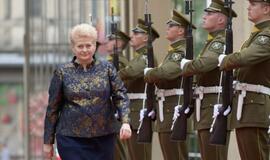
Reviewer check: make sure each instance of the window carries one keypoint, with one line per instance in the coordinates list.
(7, 9)
(36, 8)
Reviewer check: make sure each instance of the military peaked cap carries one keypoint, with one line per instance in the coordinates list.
(218, 6)
(119, 35)
(142, 28)
(179, 19)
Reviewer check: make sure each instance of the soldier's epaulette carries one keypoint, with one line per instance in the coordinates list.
(142, 51)
(179, 49)
(219, 37)
(266, 32)
(182, 51)
(176, 48)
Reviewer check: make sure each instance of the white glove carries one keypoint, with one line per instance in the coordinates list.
(176, 112)
(146, 70)
(142, 112)
(183, 62)
(220, 59)
(187, 110)
(116, 115)
(227, 111)
(151, 114)
(216, 110)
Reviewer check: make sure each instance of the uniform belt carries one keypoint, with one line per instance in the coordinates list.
(244, 87)
(168, 92)
(136, 95)
(200, 91)
(161, 94)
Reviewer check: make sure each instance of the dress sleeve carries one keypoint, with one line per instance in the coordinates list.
(54, 105)
(119, 94)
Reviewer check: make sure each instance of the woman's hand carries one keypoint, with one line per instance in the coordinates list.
(125, 131)
(48, 151)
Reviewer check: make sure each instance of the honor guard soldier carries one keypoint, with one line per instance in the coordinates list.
(118, 42)
(122, 42)
(205, 67)
(168, 81)
(251, 106)
(133, 76)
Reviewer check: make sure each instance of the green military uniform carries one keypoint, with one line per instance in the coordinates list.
(133, 75)
(123, 61)
(120, 152)
(167, 79)
(208, 76)
(251, 65)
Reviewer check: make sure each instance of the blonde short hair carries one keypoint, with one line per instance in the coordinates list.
(83, 30)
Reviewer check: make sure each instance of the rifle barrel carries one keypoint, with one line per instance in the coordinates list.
(179, 130)
(219, 132)
(145, 131)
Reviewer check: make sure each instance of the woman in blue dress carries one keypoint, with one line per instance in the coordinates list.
(83, 97)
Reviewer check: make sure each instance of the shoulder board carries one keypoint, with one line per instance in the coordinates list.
(265, 32)
(180, 49)
(220, 37)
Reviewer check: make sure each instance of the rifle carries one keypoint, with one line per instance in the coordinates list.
(179, 128)
(145, 130)
(114, 33)
(219, 126)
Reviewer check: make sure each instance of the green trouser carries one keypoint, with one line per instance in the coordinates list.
(211, 152)
(252, 143)
(172, 150)
(138, 151)
(120, 152)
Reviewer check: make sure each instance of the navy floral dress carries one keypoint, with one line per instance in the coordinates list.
(82, 102)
